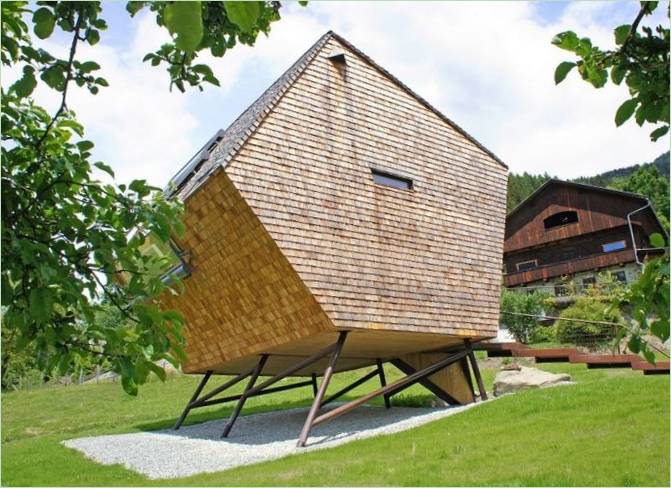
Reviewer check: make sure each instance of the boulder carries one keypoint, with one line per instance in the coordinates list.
(512, 380)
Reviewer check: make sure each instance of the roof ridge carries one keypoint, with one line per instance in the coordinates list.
(244, 125)
(576, 184)
(237, 133)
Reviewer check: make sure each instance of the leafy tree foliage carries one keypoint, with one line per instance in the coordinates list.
(520, 186)
(647, 181)
(598, 331)
(529, 306)
(66, 236)
(649, 301)
(641, 60)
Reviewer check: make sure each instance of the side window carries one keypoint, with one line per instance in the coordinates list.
(169, 259)
(620, 276)
(614, 246)
(526, 265)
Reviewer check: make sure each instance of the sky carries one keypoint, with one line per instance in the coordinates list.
(486, 65)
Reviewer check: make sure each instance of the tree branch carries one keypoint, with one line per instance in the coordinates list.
(68, 78)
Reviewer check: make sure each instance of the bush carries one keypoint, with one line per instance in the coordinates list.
(543, 333)
(520, 326)
(584, 333)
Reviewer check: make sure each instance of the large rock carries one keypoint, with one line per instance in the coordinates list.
(523, 378)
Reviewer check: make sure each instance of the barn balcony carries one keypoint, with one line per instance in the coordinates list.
(545, 272)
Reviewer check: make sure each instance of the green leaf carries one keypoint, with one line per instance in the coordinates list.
(157, 370)
(660, 328)
(84, 145)
(656, 240)
(634, 344)
(134, 7)
(93, 37)
(649, 356)
(625, 111)
(621, 34)
(102, 166)
(617, 74)
(54, 76)
(566, 40)
(25, 86)
(129, 385)
(40, 303)
(243, 14)
(597, 76)
(184, 19)
(89, 66)
(659, 132)
(563, 70)
(44, 21)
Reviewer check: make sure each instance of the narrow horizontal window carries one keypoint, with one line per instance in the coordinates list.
(526, 265)
(614, 246)
(388, 179)
(560, 218)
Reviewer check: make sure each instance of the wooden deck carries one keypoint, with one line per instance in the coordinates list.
(572, 355)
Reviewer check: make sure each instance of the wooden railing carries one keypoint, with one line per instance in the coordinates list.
(594, 261)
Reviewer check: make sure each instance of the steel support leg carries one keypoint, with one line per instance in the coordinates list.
(426, 382)
(467, 374)
(391, 388)
(476, 372)
(188, 407)
(315, 387)
(383, 382)
(243, 398)
(322, 390)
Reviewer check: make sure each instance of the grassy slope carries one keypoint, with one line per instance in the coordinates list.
(612, 428)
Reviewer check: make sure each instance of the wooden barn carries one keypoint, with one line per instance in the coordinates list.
(571, 230)
(340, 222)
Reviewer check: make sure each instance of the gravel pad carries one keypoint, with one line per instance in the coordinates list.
(198, 448)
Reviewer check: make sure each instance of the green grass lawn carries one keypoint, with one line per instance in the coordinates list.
(611, 428)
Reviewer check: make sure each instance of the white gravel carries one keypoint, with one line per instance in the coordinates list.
(198, 448)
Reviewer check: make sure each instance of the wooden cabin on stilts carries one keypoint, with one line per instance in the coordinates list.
(341, 222)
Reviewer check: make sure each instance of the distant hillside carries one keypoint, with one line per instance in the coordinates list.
(522, 185)
(605, 179)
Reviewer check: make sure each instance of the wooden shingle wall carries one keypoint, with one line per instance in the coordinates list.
(243, 296)
(374, 257)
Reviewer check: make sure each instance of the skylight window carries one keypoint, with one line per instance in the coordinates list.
(389, 179)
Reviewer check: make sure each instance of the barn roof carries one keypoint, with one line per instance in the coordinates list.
(554, 181)
(219, 150)
(584, 186)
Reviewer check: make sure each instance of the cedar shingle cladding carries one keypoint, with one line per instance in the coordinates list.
(373, 257)
(427, 259)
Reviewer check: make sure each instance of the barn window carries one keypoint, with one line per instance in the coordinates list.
(614, 246)
(560, 218)
(590, 280)
(389, 179)
(620, 276)
(526, 265)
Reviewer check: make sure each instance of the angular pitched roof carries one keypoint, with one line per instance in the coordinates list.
(555, 181)
(196, 171)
